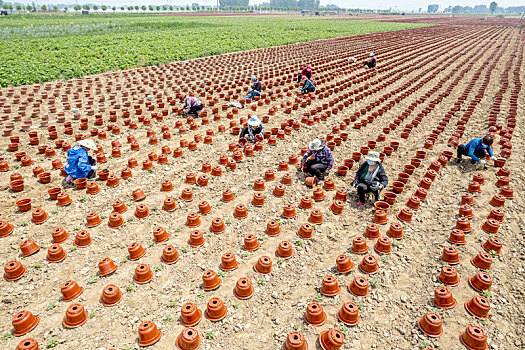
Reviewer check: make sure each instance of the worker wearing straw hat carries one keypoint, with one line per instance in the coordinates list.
(370, 177)
(79, 163)
(318, 160)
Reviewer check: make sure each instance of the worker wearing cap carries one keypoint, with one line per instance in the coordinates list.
(191, 105)
(79, 164)
(477, 149)
(370, 177)
(371, 63)
(256, 88)
(318, 160)
(254, 128)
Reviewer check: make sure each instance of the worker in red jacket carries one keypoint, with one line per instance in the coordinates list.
(306, 72)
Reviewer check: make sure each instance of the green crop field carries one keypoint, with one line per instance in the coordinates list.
(39, 48)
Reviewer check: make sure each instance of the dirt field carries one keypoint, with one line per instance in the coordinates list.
(463, 70)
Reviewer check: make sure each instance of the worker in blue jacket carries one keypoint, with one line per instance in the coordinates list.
(79, 163)
(477, 150)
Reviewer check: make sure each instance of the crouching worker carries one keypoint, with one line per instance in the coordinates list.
(371, 63)
(256, 88)
(191, 105)
(254, 128)
(476, 149)
(79, 163)
(318, 160)
(308, 86)
(306, 72)
(370, 177)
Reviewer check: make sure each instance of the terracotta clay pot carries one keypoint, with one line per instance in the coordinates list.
(70, 290)
(115, 220)
(315, 314)
(372, 231)
(93, 219)
(227, 196)
(450, 255)
(55, 253)
(465, 211)
(507, 192)
(160, 234)
(383, 245)
(82, 239)
(295, 341)
(468, 198)
(143, 274)
(111, 295)
(59, 235)
(330, 287)
(284, 250)
(443, 298)
(14, 270)
(359, 245)
(490, 226)
(240, 211)
(190, 315)
(289, 211)
(478, 306)
(318, 194)
(343, 264)
(474, 338)
(169, 255)
(380, 217)
(75, 316)
(196, 239)
(119, 206)
(53, 192)
(263, 265)
(188, 339)
(250, 243)
(148, 333)
(106, 267)
(63, 199)
(316, 217)
(138, 195)
(228, 262)
(431, 324)
(27, 344)
(24, 322)
(482, 261)
(272, 228)
(39, 216)
(29, 247)
(23, 205)
(169, 204)
(463, 224)
(5, 228)
(480, 281)
(337, 207)
(210, 280)
(310, 181)
(348, 314)
(329, 185)
(449, 276)
(341, 195)
(395, 231)
(405, 215)
(305, 231)
(359, 286)
(497, 201)
(243, 289)
(457, 237)
(369, 264)
(269, 175)
(216, 310)
(136, 251)
(332, 339)
(493, 245)
(474, 187)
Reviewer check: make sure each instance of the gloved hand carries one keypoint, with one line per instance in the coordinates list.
(483, 161)
(493, 158)
(374, 186)
(94, 167)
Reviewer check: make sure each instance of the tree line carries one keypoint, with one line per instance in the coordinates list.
(477, 9)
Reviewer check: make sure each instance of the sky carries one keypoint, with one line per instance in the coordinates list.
(400, 5)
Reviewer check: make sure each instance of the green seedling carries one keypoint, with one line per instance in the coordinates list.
(318, 297)
(167, 319)
(92, 280)
(51, 343)
(210, 335)
(129, 288)
(51, 306)
(261, 281)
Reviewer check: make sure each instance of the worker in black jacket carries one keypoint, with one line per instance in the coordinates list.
(256, 88)
(370, 177)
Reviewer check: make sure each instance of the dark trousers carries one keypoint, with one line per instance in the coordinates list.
(92, 173)
(195, 110)
(369, 64)
(363, 188)
(316, 169)
(463, 151)
(300, 76)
